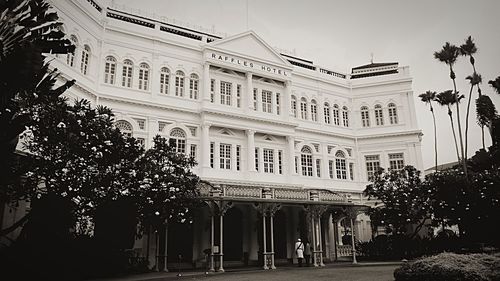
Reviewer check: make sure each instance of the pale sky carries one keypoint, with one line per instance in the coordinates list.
(339, 35)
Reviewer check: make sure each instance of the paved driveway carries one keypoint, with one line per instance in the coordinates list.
(355, 273)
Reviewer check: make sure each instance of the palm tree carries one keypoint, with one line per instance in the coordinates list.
(447, 99)
(449, 55)
(474, 79)
(469, 49)
(428, 97)
(495, 84)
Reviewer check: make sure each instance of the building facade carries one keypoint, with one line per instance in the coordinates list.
(287, 146)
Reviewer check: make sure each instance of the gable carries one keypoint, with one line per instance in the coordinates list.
(250, 45)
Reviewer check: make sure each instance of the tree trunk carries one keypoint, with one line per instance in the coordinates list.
(464, 157)
(467, 119)
(454, 134)
(435, 140)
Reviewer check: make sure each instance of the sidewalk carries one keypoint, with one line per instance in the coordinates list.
(161, 276)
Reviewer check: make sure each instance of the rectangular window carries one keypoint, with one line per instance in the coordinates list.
(340, 167)
(267, 102)
(294, 107)
(255, 99)
(326, 111)
(225, 93)
(280, 162)
(345, 118)
(164, 80)
(372, 165)
(318, 168)
(278, 103)
(303, 110)
(192, 151)
(351, 171)
(379, 117)
(109, 73)
(238, 157)
(365, 119)
(314, 112)
(396, 161)
(330, 168)
(212, 90)
(238, 95)
(193, 88)
(179, 85)
(212, 152)
(127, 76)
(143, 79)
(268, 160)
(307, 166)
(257, 159)
(225, 156)
(336, 118)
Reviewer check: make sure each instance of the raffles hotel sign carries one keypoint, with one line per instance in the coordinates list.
(248, 64)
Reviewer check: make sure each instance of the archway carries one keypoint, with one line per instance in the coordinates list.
(233, 235)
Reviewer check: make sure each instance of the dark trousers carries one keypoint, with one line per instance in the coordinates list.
(308, 259)
(300, 261)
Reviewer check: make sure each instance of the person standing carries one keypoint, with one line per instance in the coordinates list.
(299, 250)
(307, 253)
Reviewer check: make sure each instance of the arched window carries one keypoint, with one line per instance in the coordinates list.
(314, 111)
(336, 115)
(84, 65)
(326, 112)
(143, 76)
(179, 83)
(178, 140)
(110, 70)
(303, 108)
(294, 106)
(193, 86)
(128, 69)
(124, 127)
(345, 116)
(164, 80)
(393, 113)
(306, 161)
(70, 59)
(379, 116)
(340, 165)
(365, 117)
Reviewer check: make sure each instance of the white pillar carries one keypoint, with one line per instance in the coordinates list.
(291, 154)
(152, 131)
(272, 242)
(325, 173)
(287, 100)
(212, 262)
(248, 98)
(264, 250)
(221, 251)
(320, 243)
(251, 150)
(205, 146)
(206, 83)
(314, 240)
(354, 261)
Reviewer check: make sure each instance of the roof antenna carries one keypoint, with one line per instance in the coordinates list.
(371, 58)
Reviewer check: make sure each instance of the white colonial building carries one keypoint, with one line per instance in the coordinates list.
(288, 145)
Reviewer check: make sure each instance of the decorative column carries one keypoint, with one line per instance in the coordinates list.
(273, 208)
(291, 154)
(354, 261)
(251, 150)
(205, 145)
(315, 250)
(152, 130)
(325, 173)
(206, 83)
(264, 250)
(320, 243)
(221, 248)
(212, 222)
(287, 98)
(248, 98)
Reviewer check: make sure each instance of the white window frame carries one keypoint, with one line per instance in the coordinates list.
(164, 80)
(225, 92)
(225, 156)
(110, 70)
(127, 73)
(143, 76)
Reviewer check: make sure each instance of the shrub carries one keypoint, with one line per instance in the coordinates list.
(449, 266)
